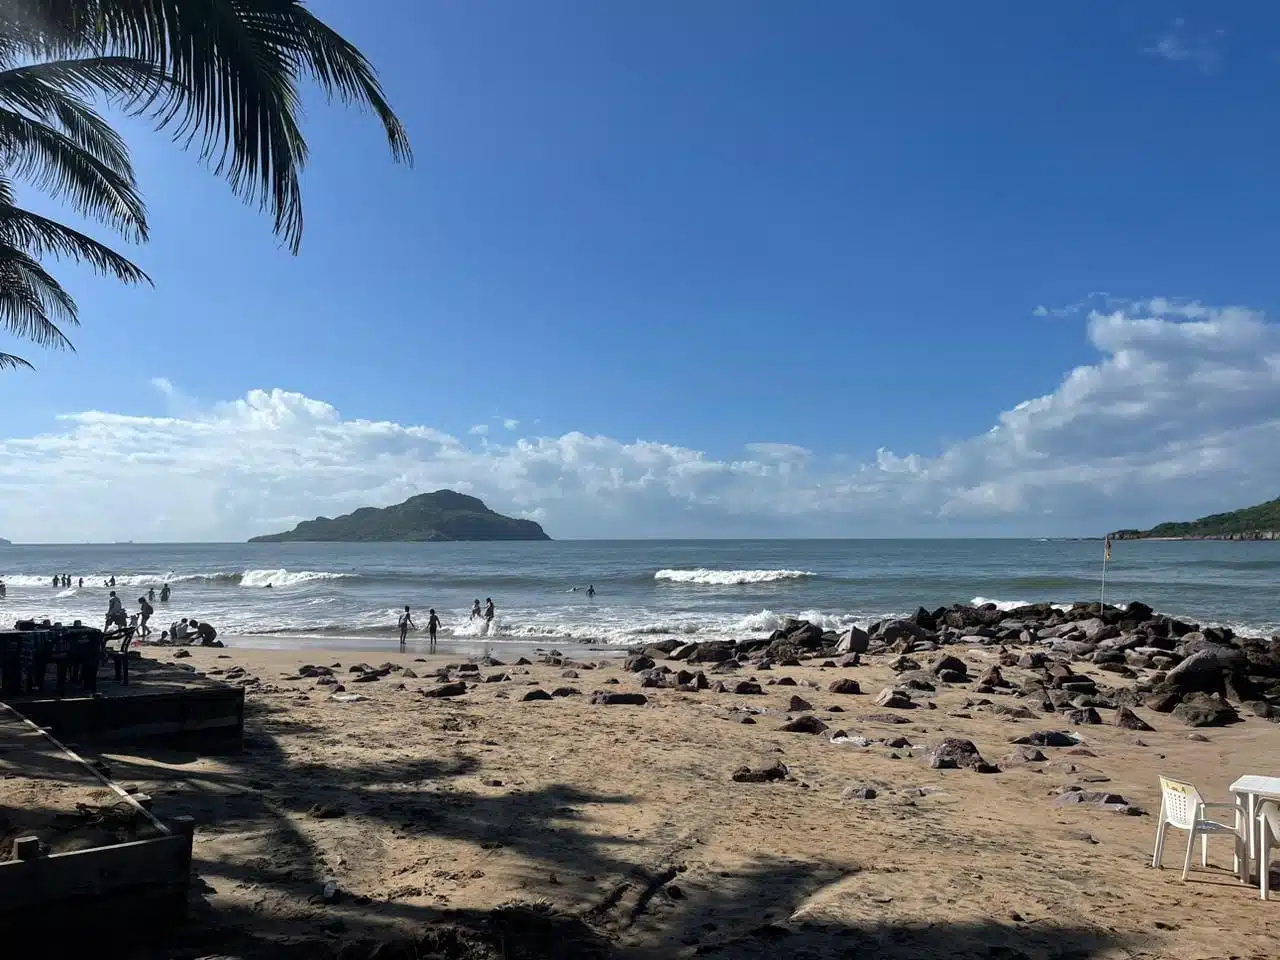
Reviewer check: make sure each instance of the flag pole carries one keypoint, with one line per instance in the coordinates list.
(1106, 555)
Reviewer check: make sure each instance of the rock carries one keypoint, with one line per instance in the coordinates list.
(524, 662)
(1163, 702)
(1087, 715)
(844, 685)
(1047, 738)
(799, 705)
(785, 682)
(896, 699)
(497, 678)
(636, 664)
(1129, 720)
(1203, 710)
(455, 689)
(1203, 671)
(181, 654)
(1025, 754)
(409, 674)
(536, 694)
(725, 666)
(852, 660)
(808, 636)
(1139, 611)
(747, 687)
(949, 664)
(367, 678)
(992, 677)
(804, 724)
(715, 651)
(1075, 796)
(953, 752)
(854, 640)
(775, 771)
(747, 718)
(885, 718)
(682, 652)
(566, 692)
(859, 793)
(607, 699)
(326, 811)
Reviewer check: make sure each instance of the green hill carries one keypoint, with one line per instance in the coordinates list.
(442, 515)
(1252, 523)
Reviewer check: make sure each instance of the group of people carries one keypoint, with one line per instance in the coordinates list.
(433, 622)
(183, 629)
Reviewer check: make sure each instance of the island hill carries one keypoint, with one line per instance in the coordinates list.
(1252, 523)
(439, 516)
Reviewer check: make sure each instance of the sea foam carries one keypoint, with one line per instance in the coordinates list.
(723, 578)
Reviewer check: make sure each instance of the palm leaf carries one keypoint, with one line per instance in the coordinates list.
(41, 237)
(9, 362)
(53, 161)
(235, 66)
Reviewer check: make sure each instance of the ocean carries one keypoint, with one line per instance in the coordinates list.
(348, 595)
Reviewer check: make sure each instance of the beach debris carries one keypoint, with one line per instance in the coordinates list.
(455, 689)
(774, 771)
(846, 685)
(804, 724)
(348, 697)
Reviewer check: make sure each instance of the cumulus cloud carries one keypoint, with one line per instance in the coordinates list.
(1202, 49)
(1178, 416)
(510, 424)
(479, 430)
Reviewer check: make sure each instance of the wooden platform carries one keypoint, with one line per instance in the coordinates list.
(161, 701)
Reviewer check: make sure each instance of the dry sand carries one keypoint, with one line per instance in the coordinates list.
(622, 828)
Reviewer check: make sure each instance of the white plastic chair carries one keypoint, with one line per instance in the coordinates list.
(1181, 806)
(1268, 836)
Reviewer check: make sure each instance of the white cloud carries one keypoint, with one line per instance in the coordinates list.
(1179, 416)
(510, 424)
(479, 430)
(1203, 49)
(163, 384)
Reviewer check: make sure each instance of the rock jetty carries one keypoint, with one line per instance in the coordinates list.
(1049, 657)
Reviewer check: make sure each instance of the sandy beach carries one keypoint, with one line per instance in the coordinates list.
(619, 830)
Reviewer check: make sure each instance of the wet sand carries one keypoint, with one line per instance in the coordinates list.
(620, 830)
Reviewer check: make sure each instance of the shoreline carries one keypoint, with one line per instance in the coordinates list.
(292, 644)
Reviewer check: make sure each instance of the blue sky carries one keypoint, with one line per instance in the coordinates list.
(706, 227)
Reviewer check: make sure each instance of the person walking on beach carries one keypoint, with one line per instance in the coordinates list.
(406, 622)
(115, 611)
(146, 610)
(475, 608)
(488, 614)
(164, 593)
(433, 624)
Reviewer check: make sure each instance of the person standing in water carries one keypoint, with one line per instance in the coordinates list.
(164, 593)
(151, 595)
(433, 624)
(475, 608)
(82, 583)
(591, 590)
(488, 614)
(406, 622)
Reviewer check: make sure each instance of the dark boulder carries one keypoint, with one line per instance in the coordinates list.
(610, 699)
(854, 640)
(804, 724)
(1129, 720)
(952, 753)
(536, 694)
(948, 664)
(636, 664)
(799, 705)
(1204, 710)
(747, 687)
(455, 689)
(715, 651)
(844, 685)
(775, 771)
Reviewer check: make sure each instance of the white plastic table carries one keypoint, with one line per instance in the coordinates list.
(1248, 790)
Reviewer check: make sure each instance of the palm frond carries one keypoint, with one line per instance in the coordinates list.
(235, 67)
(23, 313)
(41, 237)
(35, 151)
(58, 91)
(9, 362)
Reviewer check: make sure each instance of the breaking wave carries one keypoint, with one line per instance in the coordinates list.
(723, 578)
